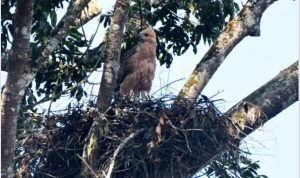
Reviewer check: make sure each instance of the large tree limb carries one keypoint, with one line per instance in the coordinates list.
(17, 80)
(108, 81)
(266, 102)
(246, 23)
(112, 54)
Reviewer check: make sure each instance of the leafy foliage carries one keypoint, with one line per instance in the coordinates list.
(233, 165)
(183, 24)
(67, 67)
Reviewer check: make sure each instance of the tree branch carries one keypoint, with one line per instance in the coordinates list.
(91, 10)
(108, 81)
(265, 103)
(60, 32)
(246, 23)
(21, 73)
(120, 147)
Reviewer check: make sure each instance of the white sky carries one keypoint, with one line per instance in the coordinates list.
(252, 63)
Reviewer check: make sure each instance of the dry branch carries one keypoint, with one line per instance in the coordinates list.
(120, 147)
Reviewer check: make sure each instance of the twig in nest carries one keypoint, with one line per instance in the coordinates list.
(87, 165)
(120, 147)
(187, 142)
(167, 85)
(182, 130)
(145, 169)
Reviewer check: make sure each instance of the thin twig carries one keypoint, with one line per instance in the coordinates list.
(187, 143)
(49, 108)
(182, 130)
(120, 147)
(49, 175)
(167, 85)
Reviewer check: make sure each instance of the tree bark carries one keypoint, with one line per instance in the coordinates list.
(4, 59)
(17, 80)
(246, 23)
(265, 103)
(107, 85)
(91, 10)
(112, 55)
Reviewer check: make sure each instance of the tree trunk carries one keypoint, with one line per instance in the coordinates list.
(17, 80)
(21, 73)
(107, 86)
(112, 55)
(246, 23)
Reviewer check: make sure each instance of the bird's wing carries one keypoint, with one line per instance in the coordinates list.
(128, 64)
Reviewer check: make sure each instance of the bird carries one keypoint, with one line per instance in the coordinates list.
(137, 69)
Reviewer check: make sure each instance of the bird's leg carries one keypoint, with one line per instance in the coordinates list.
(130, 95)
(137, 97)
(145, 96)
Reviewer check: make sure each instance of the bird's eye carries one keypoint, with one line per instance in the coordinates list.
(146, 34)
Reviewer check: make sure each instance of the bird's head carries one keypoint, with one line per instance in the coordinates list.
(148, 35)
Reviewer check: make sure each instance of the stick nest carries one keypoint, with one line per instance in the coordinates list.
(150, 136)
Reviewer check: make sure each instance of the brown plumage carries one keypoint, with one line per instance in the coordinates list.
(138, 67)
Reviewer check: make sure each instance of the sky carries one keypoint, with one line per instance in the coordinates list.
(253, 62)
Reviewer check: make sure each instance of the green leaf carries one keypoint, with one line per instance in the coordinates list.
(191, 7)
